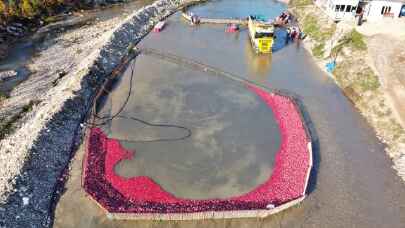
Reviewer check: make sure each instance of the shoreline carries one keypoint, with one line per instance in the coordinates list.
(46, 133)
(53, 128)
(353, 67)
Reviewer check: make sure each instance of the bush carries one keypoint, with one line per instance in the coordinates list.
(353, 39)
(312, 29)
(361, 79)
(2, 8)
(14, 9)
(298, 3)
(318, 50)
(3, 96)
(367, 80)
(27, 9)
(357, 40)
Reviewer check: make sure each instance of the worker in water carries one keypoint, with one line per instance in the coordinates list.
(287, 19)
(288, 36)
(194, 18)
(284, 17)
(293, 34)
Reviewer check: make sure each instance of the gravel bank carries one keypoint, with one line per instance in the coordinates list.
(35, 156)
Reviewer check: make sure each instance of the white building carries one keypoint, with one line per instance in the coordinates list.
(371, 9)
(339, 9)
(377, 9)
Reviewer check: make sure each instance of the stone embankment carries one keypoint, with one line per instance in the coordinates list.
(356, 73)
(35, 156)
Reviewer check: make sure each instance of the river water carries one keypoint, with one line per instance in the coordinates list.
(353, 184)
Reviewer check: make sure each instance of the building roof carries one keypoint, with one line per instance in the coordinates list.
(402, 1)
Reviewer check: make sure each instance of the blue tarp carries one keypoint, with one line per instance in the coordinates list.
(330, 67)
(260, 17)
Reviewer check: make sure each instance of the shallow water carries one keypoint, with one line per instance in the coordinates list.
(233, 138)
(353, 184)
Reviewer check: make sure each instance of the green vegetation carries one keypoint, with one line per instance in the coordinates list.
(3, 96)
(358, 81)
(26, 9)
(362, 80)
(30, 9)
(312, 29)
(298, 3)
(318, 51)
(7, 126)
(367, 80)
(357, 40)
(352, 39)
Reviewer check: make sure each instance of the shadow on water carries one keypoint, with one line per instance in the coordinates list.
(311, 131)
(316, 155)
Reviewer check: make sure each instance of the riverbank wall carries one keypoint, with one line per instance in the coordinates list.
(341, 43)
(35, 157)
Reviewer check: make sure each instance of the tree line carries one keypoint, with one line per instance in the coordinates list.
(30, 9)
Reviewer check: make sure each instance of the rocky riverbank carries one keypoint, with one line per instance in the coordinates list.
(356, 73)
(68, 73)
(13, 28)
(26, 17)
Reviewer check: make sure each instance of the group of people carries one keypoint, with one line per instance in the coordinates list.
(195, 20)
(294, 33)
(284, 18)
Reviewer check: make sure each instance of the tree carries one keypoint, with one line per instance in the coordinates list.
(36, 5)
(27, 10)
(2, 7)
(3, 10)
(13, 8)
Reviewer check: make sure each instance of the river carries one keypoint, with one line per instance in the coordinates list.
(24, 51)
(353, 184)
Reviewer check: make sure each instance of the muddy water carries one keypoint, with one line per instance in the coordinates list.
(353, 184)
(233, 138)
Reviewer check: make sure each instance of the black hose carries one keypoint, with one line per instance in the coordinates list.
(108, 118)
(188, 135)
